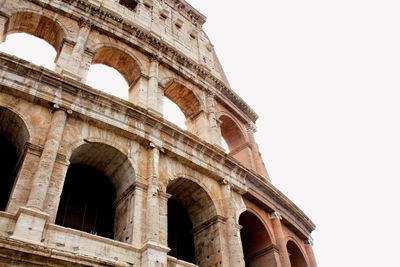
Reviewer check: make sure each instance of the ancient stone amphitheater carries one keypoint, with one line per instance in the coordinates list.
(88, 179)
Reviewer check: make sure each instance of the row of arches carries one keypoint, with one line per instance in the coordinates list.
(97, 180)
(112, 68)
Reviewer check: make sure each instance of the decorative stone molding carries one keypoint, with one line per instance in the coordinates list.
(103, 14)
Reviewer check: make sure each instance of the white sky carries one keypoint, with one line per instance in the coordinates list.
(324, 78)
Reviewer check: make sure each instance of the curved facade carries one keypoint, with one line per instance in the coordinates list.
(90, 179)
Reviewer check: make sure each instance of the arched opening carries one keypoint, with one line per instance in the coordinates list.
(114, 71)
(193, 230)
(235, 140)
(38, 51)
(180, 236)
(295, 255)
(177, 95)
(13, 137)
(33, 37)
(87, 201)
(92, 197)
(107, 79)
(258, 249)
(173, 113)
(231, 133)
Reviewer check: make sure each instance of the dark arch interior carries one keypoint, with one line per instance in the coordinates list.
(8, 166)
(87, 201)
(257, 245)
(180, 235)
(295, 255)
(13, 137)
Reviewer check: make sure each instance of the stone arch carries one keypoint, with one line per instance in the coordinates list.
(257, 214)
(184, 97)
(232, 132)
(120, 59)
(14, 134)
(39, 25)
(205, 224)
(106, 175)
(257, 241)
(296, 255)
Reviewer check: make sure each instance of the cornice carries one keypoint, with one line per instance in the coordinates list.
(292, 215)
(104, 15)
(188, 11)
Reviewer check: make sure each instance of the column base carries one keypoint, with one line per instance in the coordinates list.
(154, 112)
(154, 255)
(30, 226)
(71, 75)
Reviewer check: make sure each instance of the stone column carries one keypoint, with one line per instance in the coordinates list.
(3, 28)
(258, 163)
(69, 62)
(310, 254)
(152, 215)
(138, 214)
(153, 252)
(43, 173)
(164, 218)
(232, 228)
(32, 219)
(214, 129)
(280, 239)
(154, 93)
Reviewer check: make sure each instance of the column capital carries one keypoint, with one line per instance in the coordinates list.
(275, 215)
(210, 93)
(85, 23)
(251, 127)
(156, 58)
(309, 241)
(158, 147)
(56, 107)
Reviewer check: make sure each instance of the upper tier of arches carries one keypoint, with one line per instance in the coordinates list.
(79, 46)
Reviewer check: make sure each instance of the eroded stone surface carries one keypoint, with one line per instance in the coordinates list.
(53, 122)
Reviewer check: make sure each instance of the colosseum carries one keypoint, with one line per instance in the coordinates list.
(90, 179)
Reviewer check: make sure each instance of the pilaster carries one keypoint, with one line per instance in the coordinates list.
(32, 219)
(154, 253)
(280, 239)
(154, 92)
(43, 173)
(137, 210)
(3, 28)
(69, 62)
(213, 122)
(234, 242)
(258, 163)
(310, 253)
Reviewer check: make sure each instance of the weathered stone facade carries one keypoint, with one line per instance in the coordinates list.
(93, 180)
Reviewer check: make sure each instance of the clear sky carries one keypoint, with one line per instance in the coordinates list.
(324, 78)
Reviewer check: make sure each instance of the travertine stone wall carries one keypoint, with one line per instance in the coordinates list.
(55, 121)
